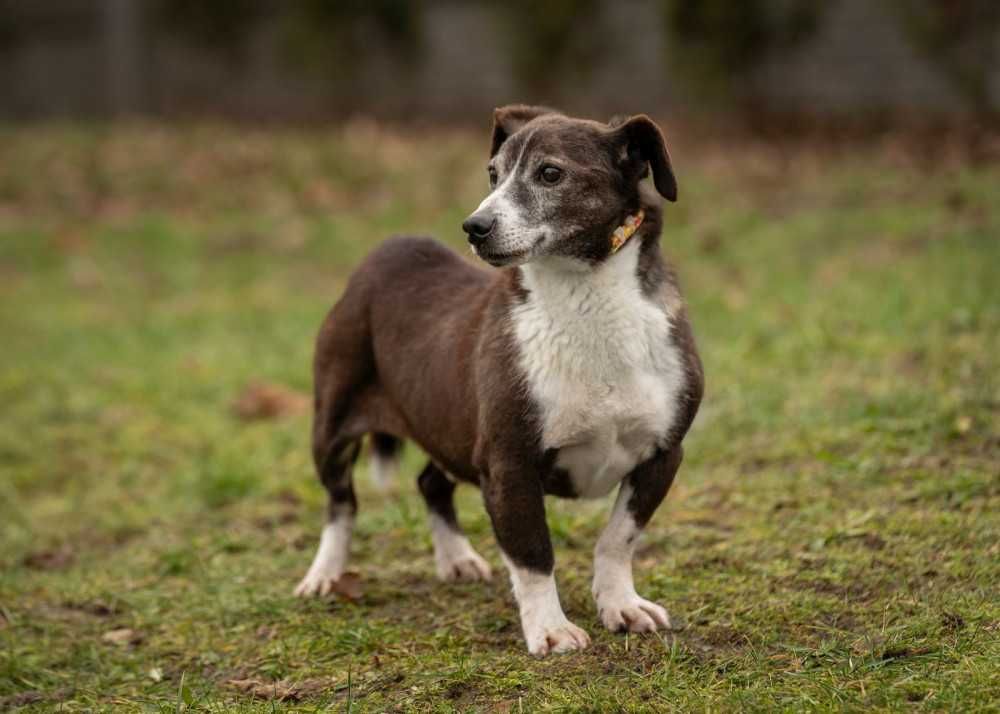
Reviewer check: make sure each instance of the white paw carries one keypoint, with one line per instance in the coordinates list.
(627, 611)
(330, 561)
(555, 637)
(543, 622)
(454, 556)
(316, 585)
(470, 566)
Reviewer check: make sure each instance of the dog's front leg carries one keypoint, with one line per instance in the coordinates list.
(516, 505)
(642, 491)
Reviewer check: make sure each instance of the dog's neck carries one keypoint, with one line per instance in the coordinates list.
(551, 276)
(626, 230)
(558, 283)
(589, 322)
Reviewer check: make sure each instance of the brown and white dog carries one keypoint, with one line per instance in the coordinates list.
(569, 371)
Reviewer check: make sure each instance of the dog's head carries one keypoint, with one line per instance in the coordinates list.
(561, 186)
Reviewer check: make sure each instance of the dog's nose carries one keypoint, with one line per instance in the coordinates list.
(479, 227)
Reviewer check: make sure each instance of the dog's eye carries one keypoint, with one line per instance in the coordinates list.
(551, 174)
(493, 177)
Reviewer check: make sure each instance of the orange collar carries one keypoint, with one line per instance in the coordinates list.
(626, 230)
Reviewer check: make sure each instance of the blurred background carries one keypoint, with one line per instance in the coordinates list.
(185, 187)
(432, 60)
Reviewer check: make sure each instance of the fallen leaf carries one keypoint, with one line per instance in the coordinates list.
(122, 637)
(22, 699)
(53, 559)
(33, 697)
(348, 587)
(95, 607)
(269, 401)
(281, 690)
(873, 541)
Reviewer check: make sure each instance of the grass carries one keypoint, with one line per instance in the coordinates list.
(831, 541)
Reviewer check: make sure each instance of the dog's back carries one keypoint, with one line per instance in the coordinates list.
(417, 304)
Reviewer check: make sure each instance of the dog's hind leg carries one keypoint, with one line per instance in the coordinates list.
(454, 557)
(335, 542)
(342, 384)
(383, 461)
(336, 441)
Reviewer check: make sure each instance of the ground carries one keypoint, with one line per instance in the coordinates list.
(831, 540)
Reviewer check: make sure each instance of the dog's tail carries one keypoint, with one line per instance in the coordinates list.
(383, 461)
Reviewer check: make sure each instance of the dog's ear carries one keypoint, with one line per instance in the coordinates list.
(644, 145)
(507, 120)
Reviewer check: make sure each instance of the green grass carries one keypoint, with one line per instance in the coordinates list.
(831, 541)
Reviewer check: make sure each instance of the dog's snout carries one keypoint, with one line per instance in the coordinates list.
(479, 226)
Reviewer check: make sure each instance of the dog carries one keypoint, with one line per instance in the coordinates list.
(568, 370)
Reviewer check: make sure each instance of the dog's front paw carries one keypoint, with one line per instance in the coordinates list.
(555, 637)
(627, 611)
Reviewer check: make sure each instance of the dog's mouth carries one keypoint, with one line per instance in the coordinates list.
(502, 259)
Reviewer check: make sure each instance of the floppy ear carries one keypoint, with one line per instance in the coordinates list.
(645, 144)
(507, 120)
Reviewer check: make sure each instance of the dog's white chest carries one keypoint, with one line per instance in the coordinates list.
(602, 367)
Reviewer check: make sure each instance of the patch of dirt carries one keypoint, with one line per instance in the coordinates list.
(97, 608)
(269, 401)
(723, 636)
(811, 561)
(50, 559)
(905, 652)
(705, 523)
(840, 621)
(708, 644)
(270, 523)
(855, 590)
(23, 699)
(873, 541)
(952, 621)
(282, 690)
(715, 563)
(703, 540)
(286, 690)
(288, 497)
(296, 539)
(756, 464)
